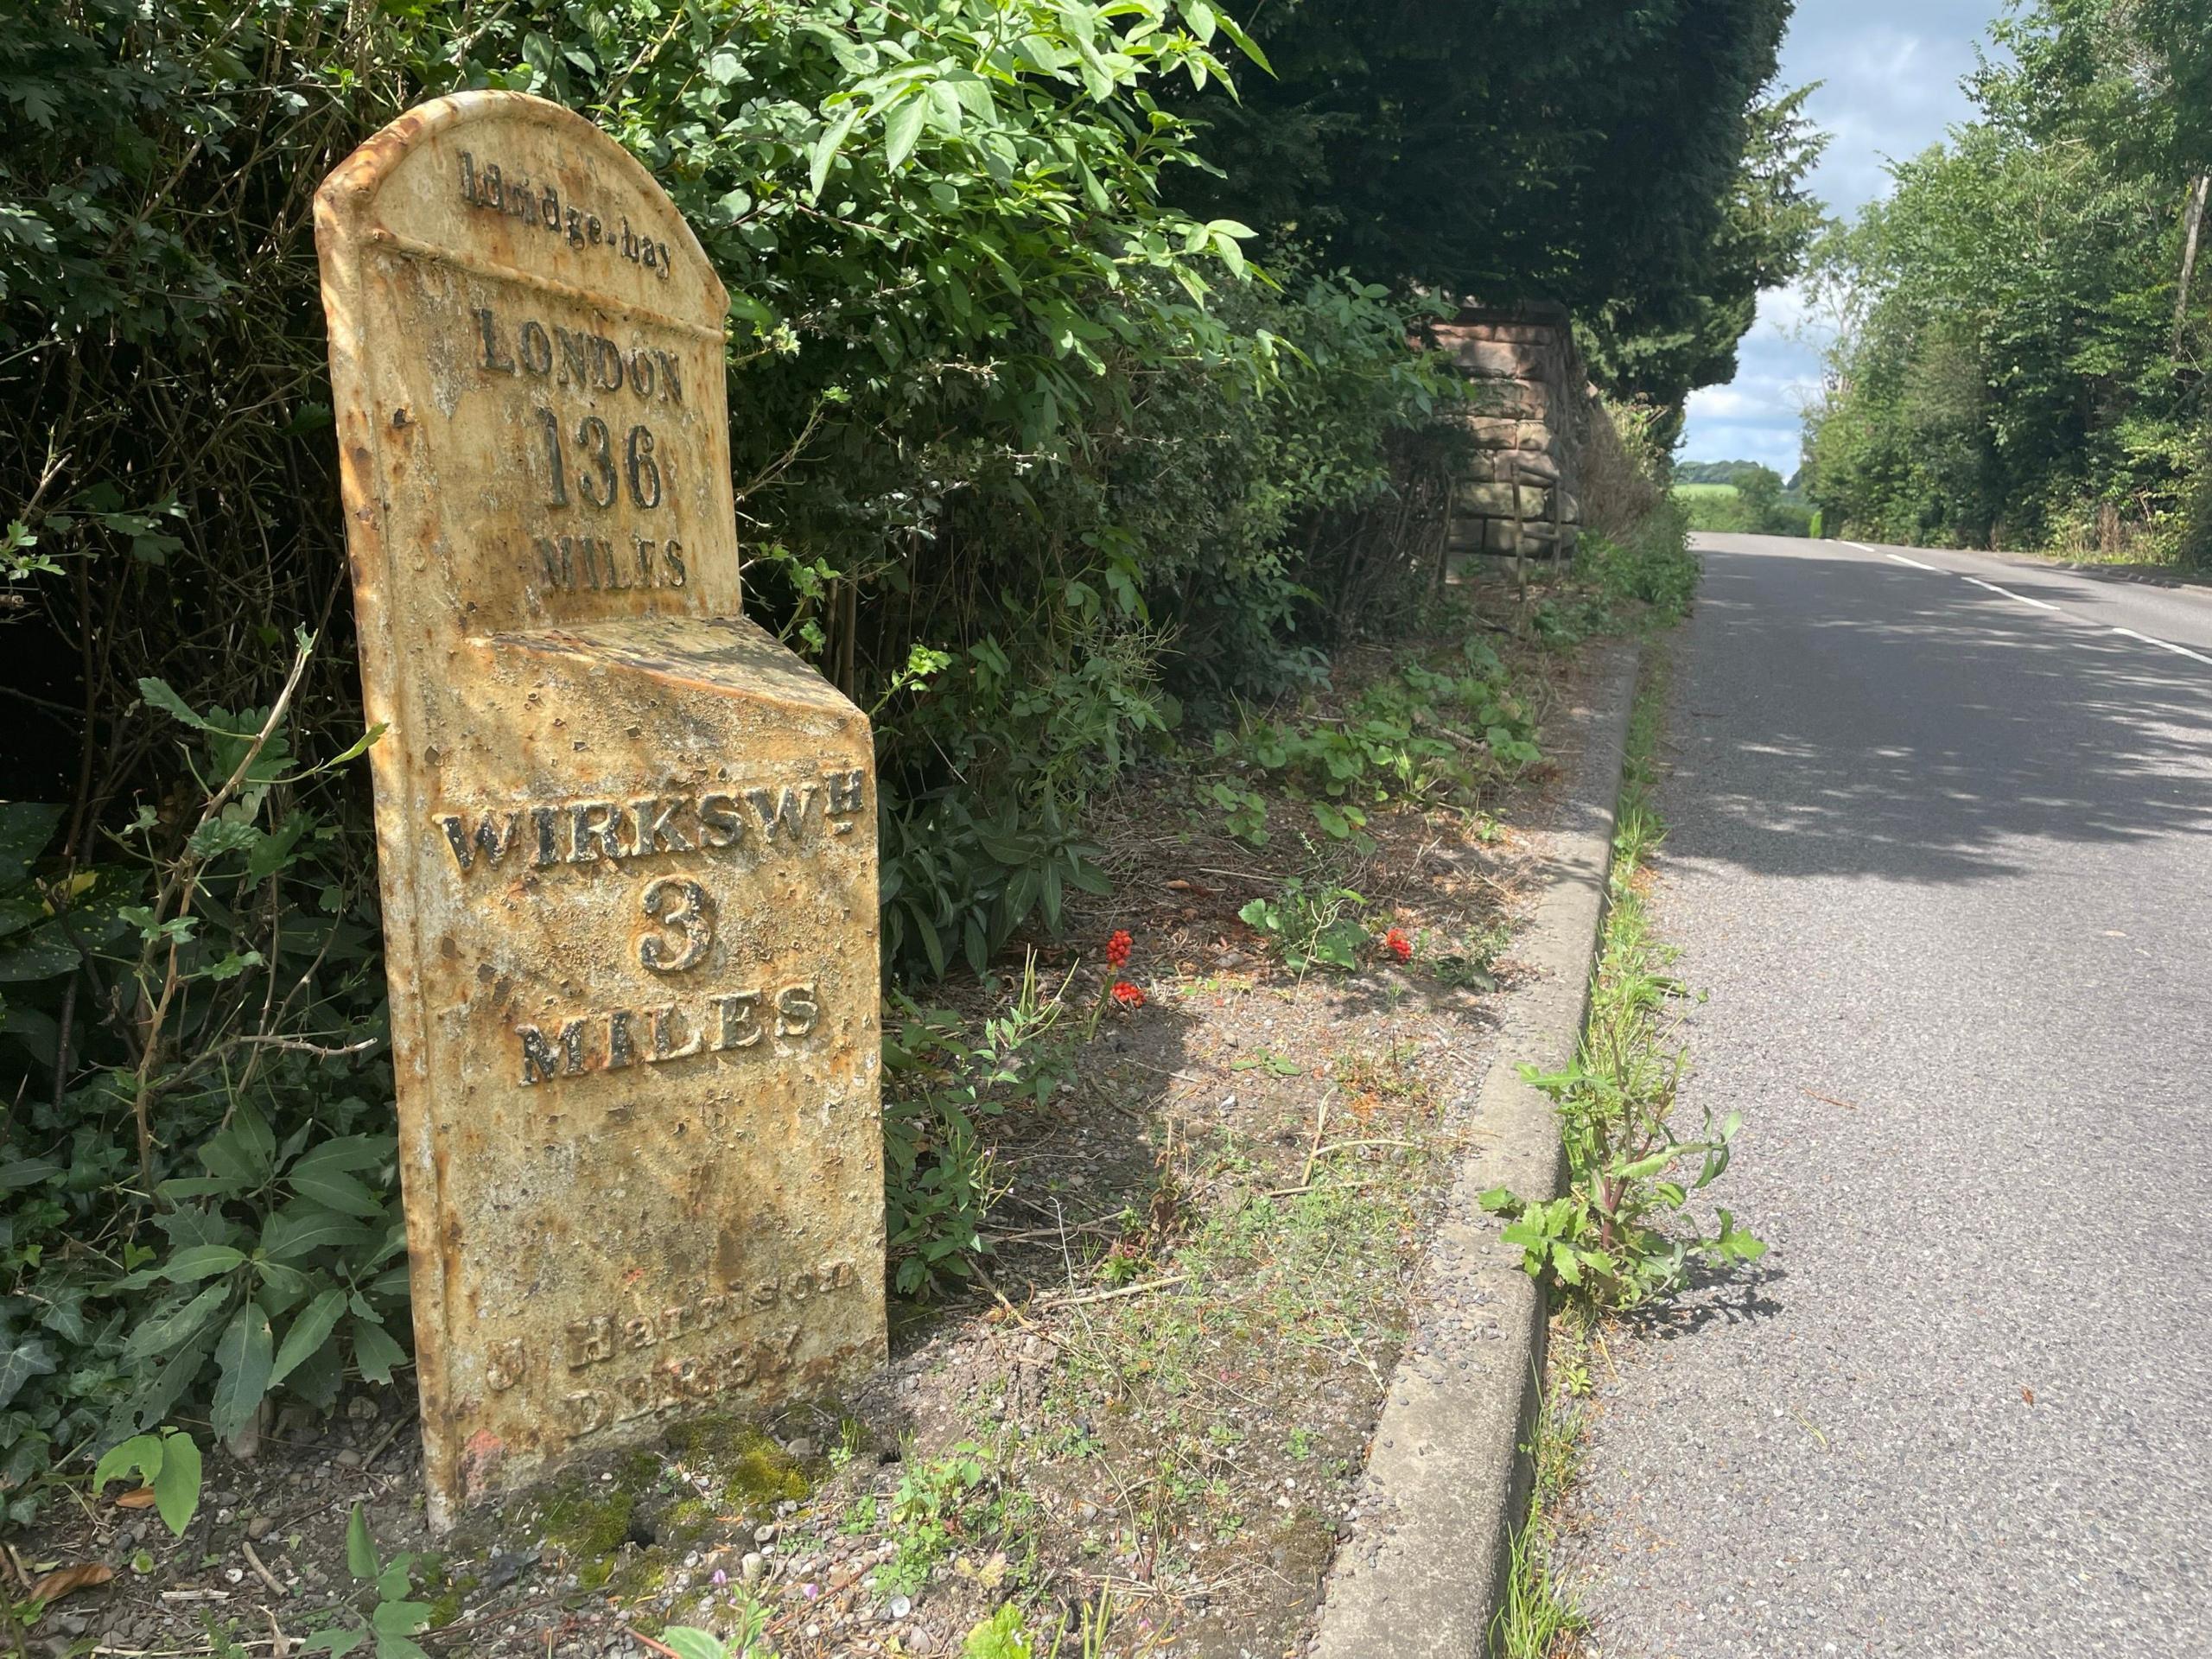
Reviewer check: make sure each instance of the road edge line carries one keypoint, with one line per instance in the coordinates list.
(1423, 1569)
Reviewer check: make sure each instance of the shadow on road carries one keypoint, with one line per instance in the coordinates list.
(1843, 720)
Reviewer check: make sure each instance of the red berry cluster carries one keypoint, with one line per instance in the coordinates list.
(1398, 945)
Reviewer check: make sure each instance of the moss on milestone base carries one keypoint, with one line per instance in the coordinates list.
(752, 1473)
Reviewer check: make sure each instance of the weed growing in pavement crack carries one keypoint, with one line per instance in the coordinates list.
(1621, 1233)
(1538, 1614)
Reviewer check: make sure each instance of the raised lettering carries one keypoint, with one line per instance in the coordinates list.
(598, 832)
(621, 1046)
(554, 555)
(539, 1064)
(590, 1411)
(787, 811)
(655, 816)
(598, 484)
(674, 901)
(606, 364)
(492, 838)
(536, 350)
(575, 357)
(719, 824)
(548, 848)
(796, 1010)
(738, 1014)
(658, 1023)
(495, 360)
(590, 1341)
(643, 469)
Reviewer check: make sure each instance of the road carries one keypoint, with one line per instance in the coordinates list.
(1940, 856)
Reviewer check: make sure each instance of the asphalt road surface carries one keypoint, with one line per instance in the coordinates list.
(1942, 857)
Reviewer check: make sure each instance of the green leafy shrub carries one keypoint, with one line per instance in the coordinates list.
(938, 1082)
(1650, 571)
(385, 1616)
(1622, 1232)
(1312, 926)
(242, 994)
(1400, 739)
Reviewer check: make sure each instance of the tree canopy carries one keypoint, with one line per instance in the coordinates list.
(1625, 160)
(2021, 360)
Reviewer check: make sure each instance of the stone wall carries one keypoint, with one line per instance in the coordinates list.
(1530, 408)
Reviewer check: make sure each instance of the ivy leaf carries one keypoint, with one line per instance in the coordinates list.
(1245, 43)
(42, 953)
(141, 1453)
(302, 1227)
(25, 828)
(374, 1351)
(334, 1189)
(686, 1641)
(197, 1261)
(179, 1324)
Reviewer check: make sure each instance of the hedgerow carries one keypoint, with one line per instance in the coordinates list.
(1037, 463)
(1026, 459)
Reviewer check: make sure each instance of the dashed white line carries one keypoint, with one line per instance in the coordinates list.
(2040, 604)
(2166, 644)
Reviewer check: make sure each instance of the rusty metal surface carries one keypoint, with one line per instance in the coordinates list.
(626, 842)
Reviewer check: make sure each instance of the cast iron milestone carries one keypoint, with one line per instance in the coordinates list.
(626, 842)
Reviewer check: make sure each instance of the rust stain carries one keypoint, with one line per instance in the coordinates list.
(626, 843)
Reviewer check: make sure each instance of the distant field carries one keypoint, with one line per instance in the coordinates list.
(1722, 507)
(1688, 494)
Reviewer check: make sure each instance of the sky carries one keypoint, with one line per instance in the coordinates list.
(1891, 71)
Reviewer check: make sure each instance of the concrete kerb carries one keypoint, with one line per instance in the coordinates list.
(1424, 1568)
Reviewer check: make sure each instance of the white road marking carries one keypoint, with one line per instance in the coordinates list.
(2166, 644)
(2040, 604)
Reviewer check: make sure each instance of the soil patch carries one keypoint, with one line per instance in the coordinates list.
(1143, 1416)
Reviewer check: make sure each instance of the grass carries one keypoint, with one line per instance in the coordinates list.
(1539, 1618)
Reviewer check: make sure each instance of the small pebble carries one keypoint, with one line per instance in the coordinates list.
(260, 1527)
(753, 1567)
(349, 1458)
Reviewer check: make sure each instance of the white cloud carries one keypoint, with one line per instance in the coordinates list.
(1890, 71)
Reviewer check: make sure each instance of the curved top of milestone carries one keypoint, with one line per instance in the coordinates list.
(519, 186)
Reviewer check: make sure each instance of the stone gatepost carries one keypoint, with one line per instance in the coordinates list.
(1528, 401)
(626, 842)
